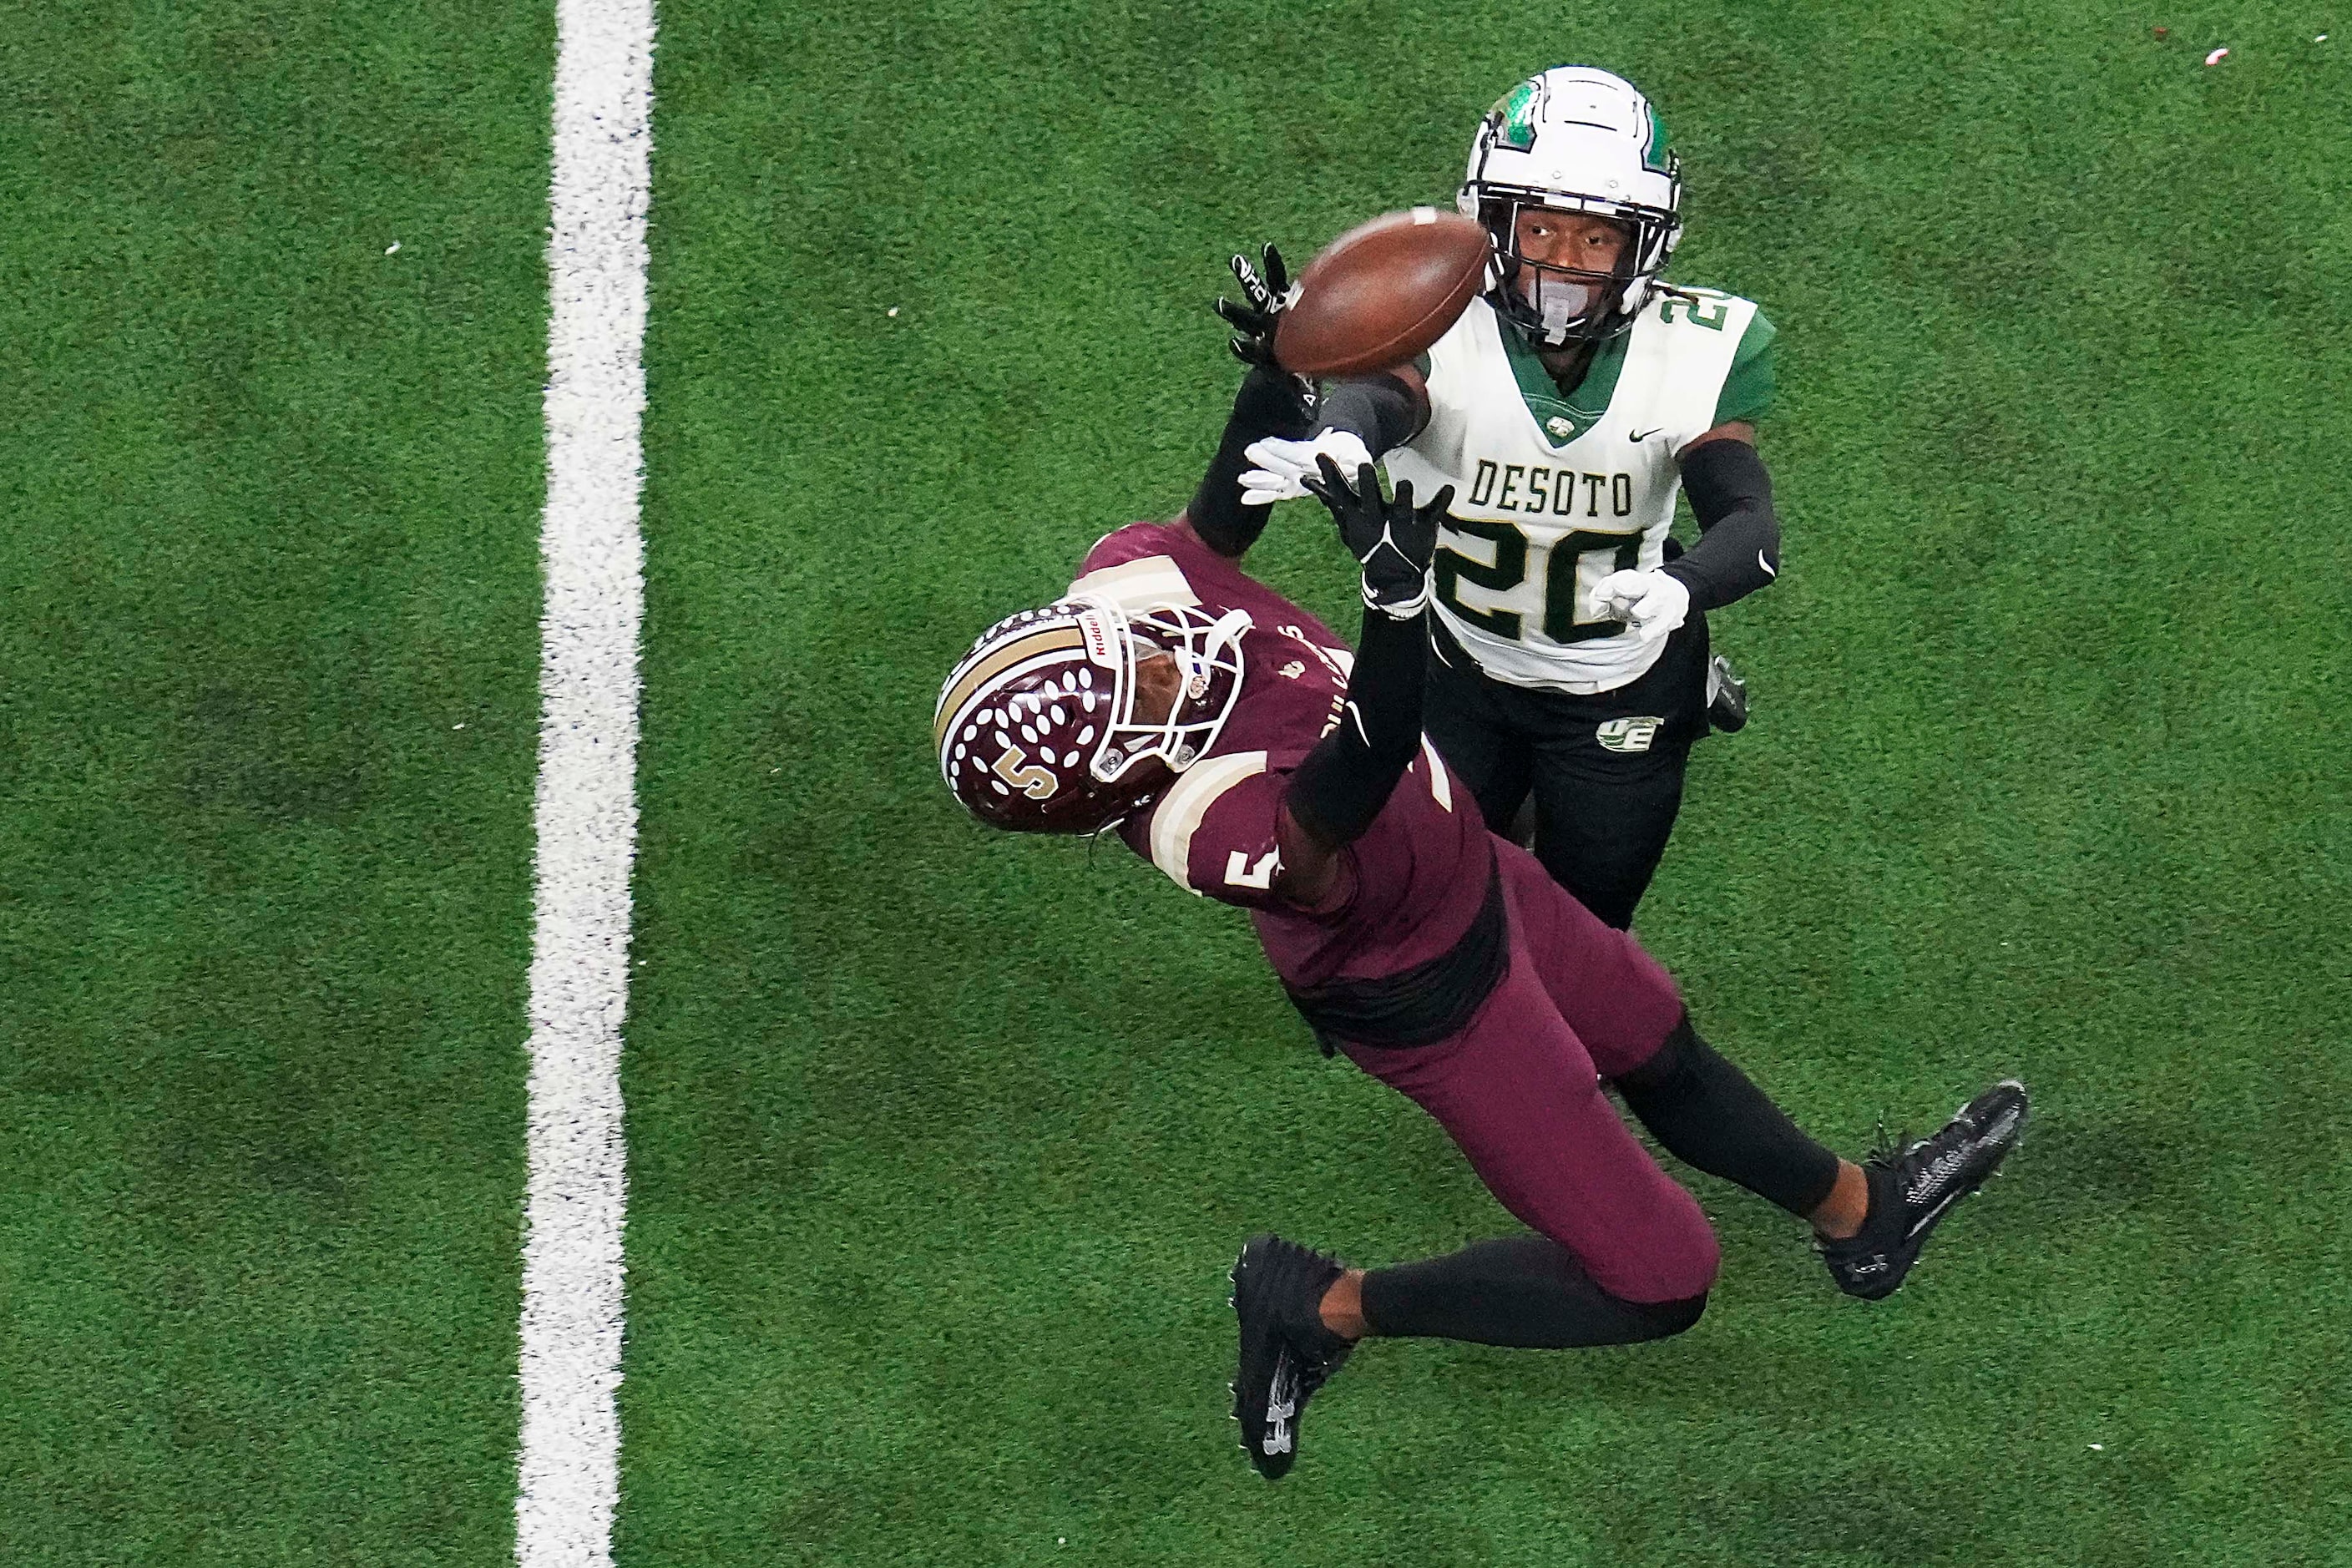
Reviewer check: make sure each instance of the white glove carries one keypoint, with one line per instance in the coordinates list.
(1282, 465)
(1652, 603)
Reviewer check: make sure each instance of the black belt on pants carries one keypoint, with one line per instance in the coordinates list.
(1421, 1006)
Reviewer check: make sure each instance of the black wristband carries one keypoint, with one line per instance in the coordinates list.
(1348, 776)
(1269, 403)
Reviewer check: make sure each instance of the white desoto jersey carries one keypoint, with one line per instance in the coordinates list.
(1552, 493)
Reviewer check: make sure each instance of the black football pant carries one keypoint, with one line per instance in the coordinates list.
(1605, 770)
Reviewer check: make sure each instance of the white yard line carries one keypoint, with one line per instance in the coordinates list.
(569, 1467)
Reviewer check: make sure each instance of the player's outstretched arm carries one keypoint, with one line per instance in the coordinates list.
(1271, 403)
(1268, 404)
(1348, 776)
(1738, 547)
(1358, 421)
(1383, 411)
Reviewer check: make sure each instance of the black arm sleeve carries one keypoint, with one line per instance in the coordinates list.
(1380, 411)
(1739, 548)
(1348, 778)
(1269, 403)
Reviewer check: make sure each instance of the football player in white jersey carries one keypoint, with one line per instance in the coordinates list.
(1568, 407)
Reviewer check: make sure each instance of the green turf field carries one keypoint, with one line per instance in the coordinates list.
(940, 1143)
(266, 708)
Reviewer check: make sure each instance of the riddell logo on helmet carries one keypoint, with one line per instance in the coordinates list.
(1100, 646)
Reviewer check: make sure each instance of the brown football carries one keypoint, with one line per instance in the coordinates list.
(1382, 292)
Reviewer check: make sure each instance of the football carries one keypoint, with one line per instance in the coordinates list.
(1382, 292)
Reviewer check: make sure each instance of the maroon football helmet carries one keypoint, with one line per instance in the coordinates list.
(1037, 727)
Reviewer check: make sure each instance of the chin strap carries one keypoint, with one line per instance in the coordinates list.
(1227, 633)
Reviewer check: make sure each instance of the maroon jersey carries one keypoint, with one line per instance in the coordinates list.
(1407, 890)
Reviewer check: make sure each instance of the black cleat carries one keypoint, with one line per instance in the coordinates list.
(1727, 696)
(1910, 1193)
(1287, 1352)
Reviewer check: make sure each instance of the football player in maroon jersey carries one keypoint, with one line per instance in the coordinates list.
(1235, 741)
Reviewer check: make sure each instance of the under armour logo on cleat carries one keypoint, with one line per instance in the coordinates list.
(1277, 1437)
(1281, 1405)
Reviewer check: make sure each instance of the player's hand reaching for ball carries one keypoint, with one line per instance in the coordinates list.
(1286, 469)
(1267, 295)
(1652, 603)
(1391, 539)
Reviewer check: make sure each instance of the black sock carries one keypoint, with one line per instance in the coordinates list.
(1524, 1290)
(1709, 1115)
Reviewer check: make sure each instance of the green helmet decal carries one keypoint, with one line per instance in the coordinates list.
(1514, 115)
(1657, 154)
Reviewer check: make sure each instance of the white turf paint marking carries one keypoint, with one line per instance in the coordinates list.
(568, 1466)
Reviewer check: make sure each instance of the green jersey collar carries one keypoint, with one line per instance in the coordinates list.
(1564, 419)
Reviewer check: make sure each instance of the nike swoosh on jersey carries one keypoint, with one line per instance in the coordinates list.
(1645, 434)
(1769, 571)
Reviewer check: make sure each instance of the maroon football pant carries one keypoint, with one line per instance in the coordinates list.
(1518, 1091)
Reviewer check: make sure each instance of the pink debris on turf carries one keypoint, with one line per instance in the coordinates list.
(2217, 57)
(2164, 32)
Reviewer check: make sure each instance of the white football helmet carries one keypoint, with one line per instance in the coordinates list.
(1576, 139)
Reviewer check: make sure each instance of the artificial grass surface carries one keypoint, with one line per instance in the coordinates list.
(268, 676)
(942, 1142)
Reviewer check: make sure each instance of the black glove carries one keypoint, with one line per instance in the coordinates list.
(1254, 323)
(1391, 539)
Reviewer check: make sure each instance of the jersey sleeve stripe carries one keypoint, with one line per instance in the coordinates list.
(1187, 801)
(1439, 784)
(1149, 583)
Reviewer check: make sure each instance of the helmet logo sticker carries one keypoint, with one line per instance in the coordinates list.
(1515, 115)
(1031, 781)
(1658, 155)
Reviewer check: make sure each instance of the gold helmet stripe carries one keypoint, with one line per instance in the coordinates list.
(966, 686)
